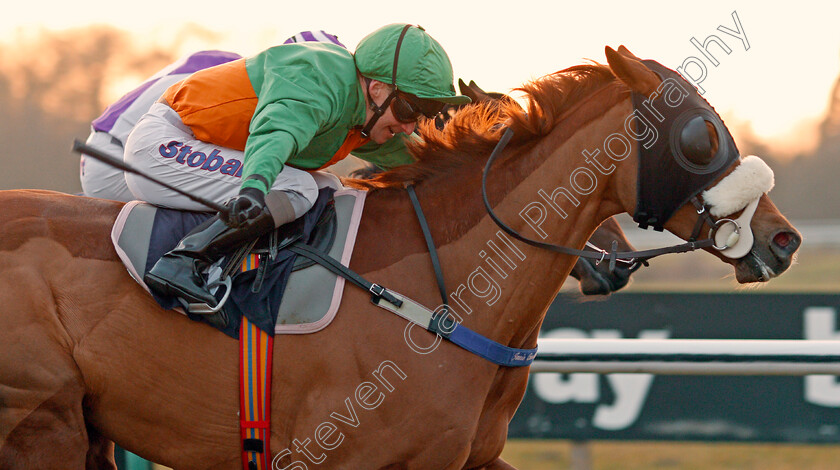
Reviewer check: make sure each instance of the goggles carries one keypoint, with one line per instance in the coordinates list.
(407, 109)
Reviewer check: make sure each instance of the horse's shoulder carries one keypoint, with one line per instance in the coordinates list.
(80, 224)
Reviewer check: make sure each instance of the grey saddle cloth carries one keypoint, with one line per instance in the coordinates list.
(308, 292)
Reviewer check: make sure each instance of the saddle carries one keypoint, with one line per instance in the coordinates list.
(277, 290)
(321, 237)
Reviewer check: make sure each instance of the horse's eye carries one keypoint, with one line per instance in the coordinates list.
(698, 141)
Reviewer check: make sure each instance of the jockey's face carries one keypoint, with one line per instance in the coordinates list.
(387, 126)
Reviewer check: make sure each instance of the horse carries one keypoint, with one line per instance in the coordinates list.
(89, 358)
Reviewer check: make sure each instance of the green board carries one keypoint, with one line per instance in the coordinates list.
(646, 407)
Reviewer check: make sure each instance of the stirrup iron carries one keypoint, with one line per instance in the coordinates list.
(204, 309)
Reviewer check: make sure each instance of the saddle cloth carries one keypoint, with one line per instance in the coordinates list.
(311, 295)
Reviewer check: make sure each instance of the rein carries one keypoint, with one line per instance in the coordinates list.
(430, 244)
(628, 257)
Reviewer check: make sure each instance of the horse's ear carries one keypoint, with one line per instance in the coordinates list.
(632, 71)
(626, 53)
(476, 94)
(477, 88)
(462, 86)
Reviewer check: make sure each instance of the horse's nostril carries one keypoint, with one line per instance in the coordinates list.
(783, 239)
(785, 243)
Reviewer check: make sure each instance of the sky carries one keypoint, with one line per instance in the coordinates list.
(778, 84)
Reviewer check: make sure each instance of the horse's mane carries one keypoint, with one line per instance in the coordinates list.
(474, 131)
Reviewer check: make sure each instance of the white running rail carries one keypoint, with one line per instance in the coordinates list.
(688, 356)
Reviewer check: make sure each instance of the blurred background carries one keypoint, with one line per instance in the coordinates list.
(771, 71)
(61, 64)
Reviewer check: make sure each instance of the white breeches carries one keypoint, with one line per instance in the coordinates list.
(162, 146)
(99, 179)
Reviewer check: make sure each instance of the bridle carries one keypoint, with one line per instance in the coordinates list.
(680, 137)
(633, 259)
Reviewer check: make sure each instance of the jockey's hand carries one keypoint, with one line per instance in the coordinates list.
(247, 205)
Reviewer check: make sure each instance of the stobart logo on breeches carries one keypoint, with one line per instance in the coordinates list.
(184, 155)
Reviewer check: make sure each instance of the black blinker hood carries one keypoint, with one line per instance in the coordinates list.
(667, 179)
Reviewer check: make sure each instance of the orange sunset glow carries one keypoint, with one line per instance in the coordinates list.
(770, 72)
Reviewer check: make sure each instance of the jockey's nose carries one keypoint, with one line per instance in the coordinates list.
(408, 128)
(784, 244)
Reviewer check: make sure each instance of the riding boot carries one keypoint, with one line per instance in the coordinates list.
(178, 272)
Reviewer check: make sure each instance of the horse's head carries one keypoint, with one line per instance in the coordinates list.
(691, 179)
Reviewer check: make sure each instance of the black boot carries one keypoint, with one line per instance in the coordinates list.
(178, 273)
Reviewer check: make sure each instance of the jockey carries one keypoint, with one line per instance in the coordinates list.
(110, 130)
(247, 132)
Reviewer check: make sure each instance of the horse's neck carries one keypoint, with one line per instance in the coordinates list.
(497, 286)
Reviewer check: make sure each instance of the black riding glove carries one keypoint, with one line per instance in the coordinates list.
(246, 206)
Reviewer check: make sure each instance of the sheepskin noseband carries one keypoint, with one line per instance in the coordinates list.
(747, 182)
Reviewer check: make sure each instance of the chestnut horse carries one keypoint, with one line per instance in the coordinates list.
(88, 357)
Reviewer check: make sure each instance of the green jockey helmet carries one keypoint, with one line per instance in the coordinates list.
(406, 56)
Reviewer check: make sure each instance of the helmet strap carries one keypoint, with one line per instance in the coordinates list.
(379, 110)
